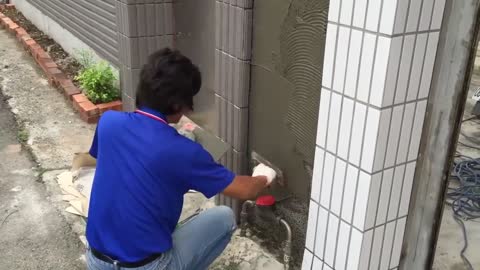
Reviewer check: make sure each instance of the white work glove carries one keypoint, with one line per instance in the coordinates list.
(264, 170)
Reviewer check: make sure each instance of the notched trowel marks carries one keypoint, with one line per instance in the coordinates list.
(302, 46)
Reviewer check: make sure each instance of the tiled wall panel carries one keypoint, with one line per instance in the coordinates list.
(143, 28)
(378, 65)
(232, 80)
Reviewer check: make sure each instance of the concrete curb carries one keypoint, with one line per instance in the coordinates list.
(88, 111)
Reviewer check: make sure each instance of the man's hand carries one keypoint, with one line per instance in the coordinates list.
(248, 187)
(264, 170)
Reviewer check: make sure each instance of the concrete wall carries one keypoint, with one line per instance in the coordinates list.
(376, 80)
(93, 22)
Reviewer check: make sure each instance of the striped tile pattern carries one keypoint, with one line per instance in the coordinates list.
(377, 71)
(143, 27)
(232, 81)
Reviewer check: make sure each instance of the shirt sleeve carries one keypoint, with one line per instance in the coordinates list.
(205, 175)
(94, 148)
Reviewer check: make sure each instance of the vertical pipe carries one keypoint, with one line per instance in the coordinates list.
(448, 93)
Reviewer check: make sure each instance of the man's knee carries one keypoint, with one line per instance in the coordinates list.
(225, 216)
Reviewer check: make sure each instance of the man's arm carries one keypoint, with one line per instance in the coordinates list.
(248, 187)
(245, 187)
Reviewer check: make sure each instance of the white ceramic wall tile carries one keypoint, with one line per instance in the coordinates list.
(326, 267)
(437, 16)
(334, 122)
(324, 108)
(401, 17)
(417, 130)
(361, 200)
(406, 189)
(341, 59)
(359, 13)
(366, 250)
(393, 136)
(321, 234)
(317, 174)
(376, 247)
(317, 264)
(338, 184)
(349, 193)
(307, 260)
(346, 14)
(406, 132)
(387, 245)
(312, 225)
(329, 58)
(385, 191)
(392, 70)
(327, 180)
(428, 64)
(331, 243)
(405, 65)
(426, 15)
(334, 10)
(342, 246)
(345, 128)
(394, 204)
(397, 242)
(388, 16)
(356, 40)
(413, 15)
(370, 139)
(380, 71)
(355, 249)
(373, 198)
(417, 65)
(381, 147)
(357, 129)
(373, 15)
(366, 66)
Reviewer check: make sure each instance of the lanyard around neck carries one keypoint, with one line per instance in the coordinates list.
(149, 115)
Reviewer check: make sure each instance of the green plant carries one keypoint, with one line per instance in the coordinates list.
(98, 82)
(22, 135)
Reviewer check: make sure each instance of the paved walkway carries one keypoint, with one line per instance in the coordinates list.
(34, 235)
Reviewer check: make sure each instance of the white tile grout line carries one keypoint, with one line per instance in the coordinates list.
(374, 106)
(351, 224)
(363, 170)
(382, 34)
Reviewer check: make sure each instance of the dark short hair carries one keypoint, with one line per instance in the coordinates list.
(168, 82)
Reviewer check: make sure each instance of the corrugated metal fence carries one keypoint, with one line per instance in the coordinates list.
(92, 21)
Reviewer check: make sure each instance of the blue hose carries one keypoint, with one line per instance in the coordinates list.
(465, 199)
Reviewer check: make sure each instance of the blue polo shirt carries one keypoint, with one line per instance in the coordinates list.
(144, 167)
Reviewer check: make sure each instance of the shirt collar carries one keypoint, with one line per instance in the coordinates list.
(154, 112)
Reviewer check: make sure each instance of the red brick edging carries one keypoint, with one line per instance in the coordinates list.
(89, 112)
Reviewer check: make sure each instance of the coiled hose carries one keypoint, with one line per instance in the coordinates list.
(465, 198)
